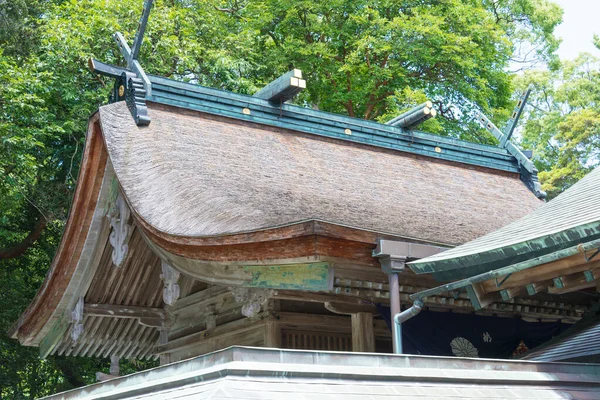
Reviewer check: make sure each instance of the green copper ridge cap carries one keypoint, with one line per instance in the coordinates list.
(286, 116)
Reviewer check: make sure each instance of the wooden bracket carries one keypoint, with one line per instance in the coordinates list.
(283, 88)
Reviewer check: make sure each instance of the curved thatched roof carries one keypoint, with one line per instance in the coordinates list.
(193, 175)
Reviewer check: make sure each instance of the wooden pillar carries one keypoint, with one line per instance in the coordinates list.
(363, 338)
(272, 335)
(272, 328)
(164, 339)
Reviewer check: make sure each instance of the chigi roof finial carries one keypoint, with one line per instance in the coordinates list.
(528, 170)
(132, 83)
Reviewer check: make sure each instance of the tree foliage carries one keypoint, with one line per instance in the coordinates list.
(366, 58)
(563, 121)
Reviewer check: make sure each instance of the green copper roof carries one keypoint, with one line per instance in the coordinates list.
(568, 220)
(257, 110)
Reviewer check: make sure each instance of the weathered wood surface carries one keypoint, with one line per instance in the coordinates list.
(58, 279)
(363, 337)
(313, 276)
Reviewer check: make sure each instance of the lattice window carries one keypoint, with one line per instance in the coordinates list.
(303, 340)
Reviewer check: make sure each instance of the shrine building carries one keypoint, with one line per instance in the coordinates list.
(205, 219)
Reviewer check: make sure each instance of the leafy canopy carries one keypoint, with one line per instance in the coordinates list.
(563, 121)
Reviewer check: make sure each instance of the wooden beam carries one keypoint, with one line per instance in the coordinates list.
(508, 294)
(537, 287)
(349, 309)
(479, 298)
(232, 328)
(571, 288)
(117, 311)
(573, 282)
(214, 295)
(566, 266)
(283, 88)
(146, 316)
(308, 276)
(297, 295)
(363, 337)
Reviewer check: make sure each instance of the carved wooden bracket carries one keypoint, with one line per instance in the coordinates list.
(170, 276)
(119, 236)
(77, 318)
(251, 298)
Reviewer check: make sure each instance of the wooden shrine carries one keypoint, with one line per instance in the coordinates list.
(204, 219)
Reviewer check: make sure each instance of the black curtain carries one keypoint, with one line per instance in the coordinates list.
(469, 335)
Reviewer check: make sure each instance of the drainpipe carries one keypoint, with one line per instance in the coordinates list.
(399, 319)
(395, 306)
(392, 256)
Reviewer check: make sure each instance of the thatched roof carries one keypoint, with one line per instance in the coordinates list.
(570, 219)
(191, 174)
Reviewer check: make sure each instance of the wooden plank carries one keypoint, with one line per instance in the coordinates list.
(55, 334)
(313, 276)
(363, 337)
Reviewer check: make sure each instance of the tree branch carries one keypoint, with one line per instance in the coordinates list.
(20, 248)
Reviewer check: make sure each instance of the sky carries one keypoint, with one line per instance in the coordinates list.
(580, 22)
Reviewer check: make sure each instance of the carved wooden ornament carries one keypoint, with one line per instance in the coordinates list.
(251, 298)
(77, 318)
(119, 235)
(170, 276)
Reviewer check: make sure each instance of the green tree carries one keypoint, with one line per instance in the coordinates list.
(563, 121)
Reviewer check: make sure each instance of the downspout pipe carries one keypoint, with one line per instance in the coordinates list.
(399, 319)
(394, 303)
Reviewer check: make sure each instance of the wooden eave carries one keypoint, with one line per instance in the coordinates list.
(64, 264)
